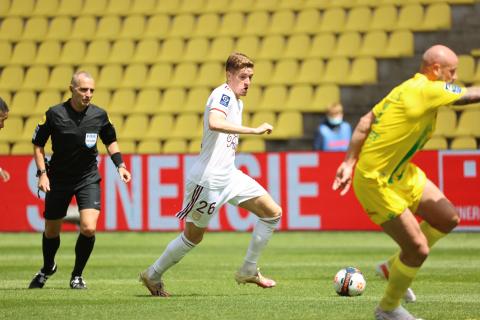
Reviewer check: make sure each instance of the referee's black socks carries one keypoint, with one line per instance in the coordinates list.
(83, 249)
(49, 249)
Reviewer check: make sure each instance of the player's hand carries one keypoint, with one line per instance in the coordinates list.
(343, 178)
(5, 175)
(44, 183)
(124, 174)
(264, 127)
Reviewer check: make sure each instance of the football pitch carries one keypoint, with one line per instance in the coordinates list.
(202, 284)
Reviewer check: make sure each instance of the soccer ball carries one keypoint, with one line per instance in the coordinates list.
(349, 282)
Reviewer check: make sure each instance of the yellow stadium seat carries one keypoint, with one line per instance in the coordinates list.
(400, 44)
(192, 6)
(168, 6)
(362, 71)
(108, 28)
(4, 7)
(122, 52)
(195, 146)
(94, 7)
(267, 5)
(260, 117)
(210, 74)
(256, 23)
(299, 98)
(160, 127)
(102, 98)
(23, 103)
(146, 51)
(297, 46)
(13, 129)
(272, 47)
(289, 125)
(336, 70)
(126, 147)
(437, 17)
(135, 76)
(464, 143)
(172, 100)
(60, 78)
(285, 72)
(196, 50)
(220, 49)
(374, 44)
(196, 100)
(98, 52)
(410, 17)
(120, 7)
(172, 50)
(174, 146)
(186, 126)
(48, 53)
(29, 128)
(91, 69)
(47, 99)
(69, 8)
(36, 78)
(282, 22)
(45, 8)
(273, 99)
(333, 20)
(217, 6)
(117, 121)
(4, 148)
(84, 28)
(263, 72)
(73, 52)
(184, 75)
(252, 145)
(24, 53)
(133, 27)
(11, 28)
(384, 18)
(6, 96)
(148, 101)
(241, 6)
(358, 19)
(6, 50)
(311, 72)
(159, 76)
(143, 7)
(12, 78)
(248, 45)
(207, 25)
(446, 122)
(122, 102)
(246, 119)
(60, 28)
(291, 4)
(232, 24)
(324, 96)
(436, 143)
(252, 99)
(476, 76)
(468, 123)
(466, 68)
(149, 147)
(110, 76)
(157, 27)
(132, 125)
(35, 29)
(22, 148)
(348, 44)
(182, 26)
(307, 21)
(323, 46)
(23, 8)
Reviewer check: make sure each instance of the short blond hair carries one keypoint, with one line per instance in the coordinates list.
(237, 61)
(334, 108)
(76, 75)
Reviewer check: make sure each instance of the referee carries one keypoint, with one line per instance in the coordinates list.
(74, 126)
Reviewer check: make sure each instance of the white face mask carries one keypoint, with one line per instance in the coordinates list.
(335, 121)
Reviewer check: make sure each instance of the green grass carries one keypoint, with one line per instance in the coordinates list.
(202, 283)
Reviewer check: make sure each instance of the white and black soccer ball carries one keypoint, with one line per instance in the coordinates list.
(349, 282)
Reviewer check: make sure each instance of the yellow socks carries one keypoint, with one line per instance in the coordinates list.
(432, 234)
(401, 276)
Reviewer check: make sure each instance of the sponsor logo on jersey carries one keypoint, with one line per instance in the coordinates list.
(224, 100)
(452, 88)
(90, 139)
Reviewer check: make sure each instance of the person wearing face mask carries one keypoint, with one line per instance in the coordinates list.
(333, 134)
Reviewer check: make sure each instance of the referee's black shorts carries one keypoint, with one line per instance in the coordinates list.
(57, 201)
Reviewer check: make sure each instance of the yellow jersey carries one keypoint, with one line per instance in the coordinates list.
(404, 121)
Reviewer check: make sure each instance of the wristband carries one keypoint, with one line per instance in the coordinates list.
(40, 172)
(117, 159)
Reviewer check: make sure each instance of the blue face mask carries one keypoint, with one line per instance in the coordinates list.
(335, 121)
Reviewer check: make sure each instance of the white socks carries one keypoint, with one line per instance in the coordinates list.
(261, 234)
(174, 252)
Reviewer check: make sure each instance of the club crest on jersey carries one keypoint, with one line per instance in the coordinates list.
(452, 88)
(224, 100)
(90, 139)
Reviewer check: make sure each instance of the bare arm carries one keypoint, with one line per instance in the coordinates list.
(472, 96)
(122, 169)
(39, 156)
(4, 175)
(218, 122)
(343, 177)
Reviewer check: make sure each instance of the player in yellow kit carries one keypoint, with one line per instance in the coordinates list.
(389, 187)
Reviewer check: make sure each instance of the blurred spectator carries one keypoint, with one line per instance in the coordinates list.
(3, 116)
(333, 134)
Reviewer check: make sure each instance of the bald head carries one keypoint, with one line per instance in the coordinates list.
(440, 63)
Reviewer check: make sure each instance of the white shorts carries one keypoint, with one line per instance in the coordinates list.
(200, 204)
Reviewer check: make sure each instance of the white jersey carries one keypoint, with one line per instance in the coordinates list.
(215, 165)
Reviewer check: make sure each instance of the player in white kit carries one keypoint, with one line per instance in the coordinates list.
(214, 180)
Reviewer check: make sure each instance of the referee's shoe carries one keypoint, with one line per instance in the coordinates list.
(41, 277)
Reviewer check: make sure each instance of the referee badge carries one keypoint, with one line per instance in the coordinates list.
(90, 139)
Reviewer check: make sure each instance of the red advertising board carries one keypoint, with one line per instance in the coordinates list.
(299, 181)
